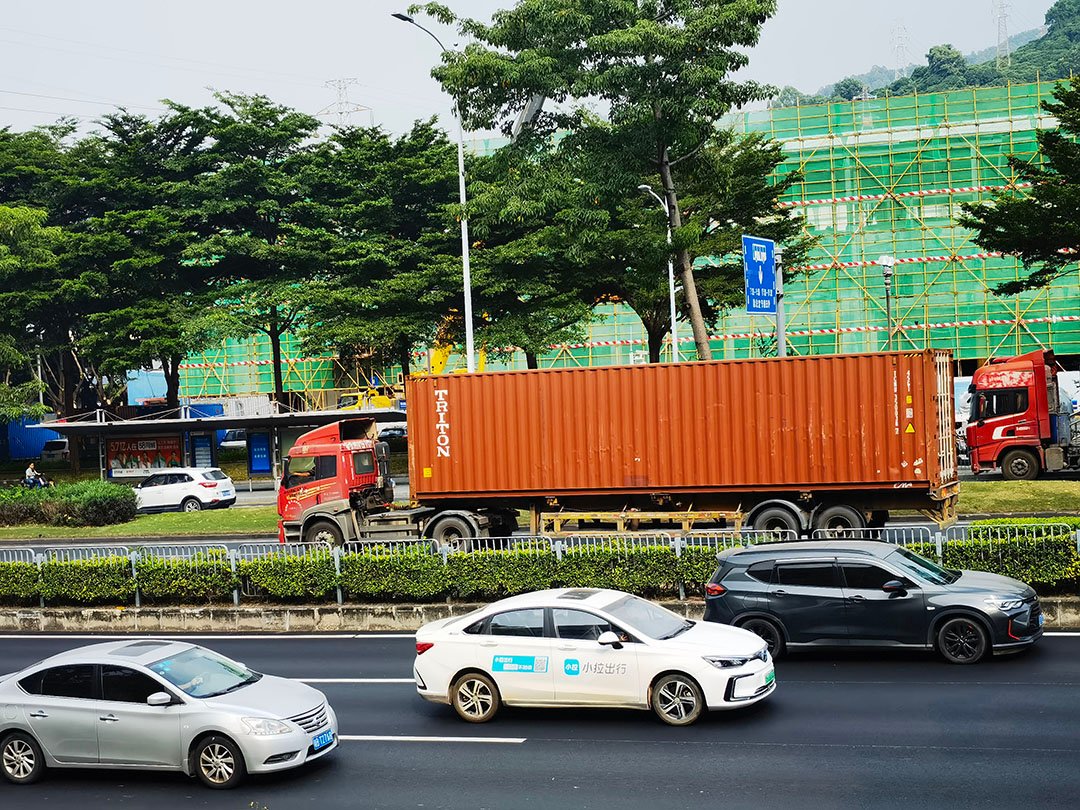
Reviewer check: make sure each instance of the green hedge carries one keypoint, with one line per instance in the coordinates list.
(87, 503)
(311, 576)
(205, 577)
(1051, 564)
(106, 580)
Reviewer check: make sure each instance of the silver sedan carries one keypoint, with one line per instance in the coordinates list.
(158, 705)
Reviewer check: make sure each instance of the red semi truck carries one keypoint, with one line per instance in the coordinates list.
(1019, 422)
(801, 443)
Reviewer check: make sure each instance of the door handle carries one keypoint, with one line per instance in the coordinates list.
(858, 599)
(779, 593)
(38, 713)
(110, 718)
(565, 647)
(489, 644)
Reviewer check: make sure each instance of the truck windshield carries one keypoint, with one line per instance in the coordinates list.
(998, 402)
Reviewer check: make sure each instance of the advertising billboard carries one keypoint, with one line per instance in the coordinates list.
(138, 458)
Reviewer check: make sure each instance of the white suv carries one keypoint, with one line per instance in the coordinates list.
(188, 489)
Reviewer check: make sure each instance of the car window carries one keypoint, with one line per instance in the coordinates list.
(363, 463)
(577, 624)
(55, 444)
(154, 481)
(325, 467)
(179, 478)
(74, 681)
(214, 475)
(201, 673)
(127, 685)
(1001, 402)
(812, 575)
(866, 577)
(305, 469)
(762, 571)
(529, 622)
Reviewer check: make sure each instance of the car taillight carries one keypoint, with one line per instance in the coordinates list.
(715, 589)
(423, 646)
(208, 484)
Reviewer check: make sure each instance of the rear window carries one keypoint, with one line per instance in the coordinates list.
(214, 475)
(811, 575)
(55, 444)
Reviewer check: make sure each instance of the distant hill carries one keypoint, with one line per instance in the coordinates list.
(1047, 53)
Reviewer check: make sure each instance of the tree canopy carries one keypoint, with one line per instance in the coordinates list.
(1042, 228)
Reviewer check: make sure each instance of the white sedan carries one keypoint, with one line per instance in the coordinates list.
(588, 647)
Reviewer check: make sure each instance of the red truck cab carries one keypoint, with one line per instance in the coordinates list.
(330, 471)
(1017, 422)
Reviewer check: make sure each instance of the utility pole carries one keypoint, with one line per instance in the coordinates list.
(781, 325)
(343, 109)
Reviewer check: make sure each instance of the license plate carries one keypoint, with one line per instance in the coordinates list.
(322, 740)
(770, 676)
(1041, 620)
(226, 492)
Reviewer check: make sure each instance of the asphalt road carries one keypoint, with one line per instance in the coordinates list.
(842, 730)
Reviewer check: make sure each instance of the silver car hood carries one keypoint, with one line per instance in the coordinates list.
(270, 696)
(710, 638)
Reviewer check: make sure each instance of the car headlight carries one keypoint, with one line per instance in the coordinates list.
(1004, 604)
(723, 662)
(264, 726)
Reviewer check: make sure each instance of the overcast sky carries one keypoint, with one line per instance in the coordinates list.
(81, 58)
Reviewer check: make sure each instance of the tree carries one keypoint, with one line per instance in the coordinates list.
(260, 235)
(662, 69)
(847, 89)
(26, 249)
(1042, 228)
(143, 180)
(395, 261)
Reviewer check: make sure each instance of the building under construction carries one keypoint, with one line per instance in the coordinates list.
(880, 177)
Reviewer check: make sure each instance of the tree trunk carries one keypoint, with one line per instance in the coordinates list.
(171, 366)
(532, 360)
(404, 360)
(274, 334)
(654, 333)
(686, 267)
(69, 381)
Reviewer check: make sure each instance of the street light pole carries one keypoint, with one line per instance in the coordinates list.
(887, 263)
(670, 273)
(466, 272)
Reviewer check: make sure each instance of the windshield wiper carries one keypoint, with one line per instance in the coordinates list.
(682, 629)
(254, 677)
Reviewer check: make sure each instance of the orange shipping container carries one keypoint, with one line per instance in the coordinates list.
(870, 421)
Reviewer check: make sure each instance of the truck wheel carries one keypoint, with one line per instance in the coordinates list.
(776, 518)
(323, 531)
(455, 532)
(840, 521)
(1019, 465)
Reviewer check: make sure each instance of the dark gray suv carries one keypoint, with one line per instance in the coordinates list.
(871, 594)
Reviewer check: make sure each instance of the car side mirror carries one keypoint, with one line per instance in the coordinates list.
(159, 699)
(894, 586)
(609, 639)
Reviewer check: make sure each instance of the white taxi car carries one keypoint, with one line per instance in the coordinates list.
(588, 647)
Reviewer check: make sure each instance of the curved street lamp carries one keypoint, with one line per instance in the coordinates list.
(670, 271)
(466, 274)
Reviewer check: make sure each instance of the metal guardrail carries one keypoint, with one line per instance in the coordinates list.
(993, 543)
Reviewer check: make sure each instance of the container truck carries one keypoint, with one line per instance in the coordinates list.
(1019, 420)
(800, 443)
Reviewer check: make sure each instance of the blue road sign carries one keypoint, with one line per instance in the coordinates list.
(759, 268)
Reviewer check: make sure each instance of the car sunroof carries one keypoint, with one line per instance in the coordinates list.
(579, 593)
(140, 647)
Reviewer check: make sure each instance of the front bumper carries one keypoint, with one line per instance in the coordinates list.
(280, 752)
(738, 686)
(1016, 629)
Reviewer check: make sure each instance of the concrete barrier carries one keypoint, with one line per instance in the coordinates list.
(1062, 613)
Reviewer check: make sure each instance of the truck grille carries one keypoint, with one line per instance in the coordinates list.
(311, 720)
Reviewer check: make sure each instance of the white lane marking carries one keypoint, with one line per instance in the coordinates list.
(1062, 633)
(355, 680)
(391, 738)
(249, 637)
